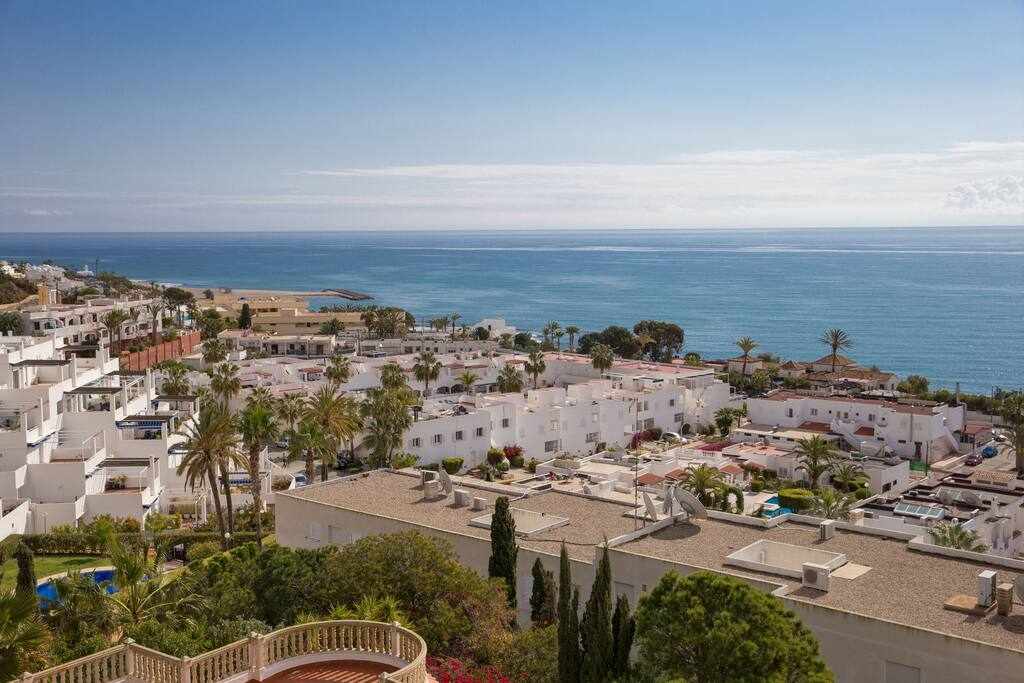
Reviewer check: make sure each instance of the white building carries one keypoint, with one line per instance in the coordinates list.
(917, 430)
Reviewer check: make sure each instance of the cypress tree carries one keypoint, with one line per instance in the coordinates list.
(596, 626)
(542, 600)
(504, 550)
(568, 624)
(26, 570)
(245, 317)
(623, 628)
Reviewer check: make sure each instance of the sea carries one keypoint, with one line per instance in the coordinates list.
(946, 303)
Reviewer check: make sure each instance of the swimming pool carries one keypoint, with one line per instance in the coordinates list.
(774, 500)
(48, 592)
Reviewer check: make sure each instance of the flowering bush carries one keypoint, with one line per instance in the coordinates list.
(451, 670)
(514, 453)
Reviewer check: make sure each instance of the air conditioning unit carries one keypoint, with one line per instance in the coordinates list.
(857, 515)
(431, 489)
(826, 530)
(986, 588)
(462, 498)
(815, 576)
(479, 504)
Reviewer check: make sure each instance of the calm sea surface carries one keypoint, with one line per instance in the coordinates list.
(946, 303)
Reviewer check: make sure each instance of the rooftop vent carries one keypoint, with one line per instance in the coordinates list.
(479, 504)
(986, 588)
(462, 498)
(826, 530)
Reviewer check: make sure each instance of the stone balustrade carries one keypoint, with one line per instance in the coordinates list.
(254, 658)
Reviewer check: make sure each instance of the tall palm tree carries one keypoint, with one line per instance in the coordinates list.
(332, 327)
(815, 456)
(572, 331)
(307, 442)
(369, 318)
(224, 383)
(113, 320)
(831, 504)
(325, 408)
(952, 535)
(350, 411)
(552, 331)
(510, 380)
(837, 340)
(746, 345)
(214, 351)
(339, 370)
(289, 409)
(22, 634)
(535, 366)
(427, 369)
(467, 379)
(260, 396)
(392, 376)
(207, 441)
(454, 318)
(155, 308)
(258, 428)
(1012, 410)
(704, 482)
(602, 357)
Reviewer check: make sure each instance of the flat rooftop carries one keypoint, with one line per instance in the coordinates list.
(902, 585)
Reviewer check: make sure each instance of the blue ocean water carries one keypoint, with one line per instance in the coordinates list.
(946, 303)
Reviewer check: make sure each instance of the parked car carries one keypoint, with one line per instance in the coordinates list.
(973, 459)
(989, 451)
(300, 479)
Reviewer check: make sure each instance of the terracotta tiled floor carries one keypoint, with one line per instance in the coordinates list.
(333, 672)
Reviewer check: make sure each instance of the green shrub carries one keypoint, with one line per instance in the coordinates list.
(756, 486)
(796, 499)
(452, 465)
(202, 550)
(862, 493)
(531, 466)
(494, 456)
(517, 460)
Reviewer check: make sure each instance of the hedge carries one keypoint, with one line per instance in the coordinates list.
(77, 543)
(796, 499)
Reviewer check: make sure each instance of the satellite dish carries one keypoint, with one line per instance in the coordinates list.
(446, 481)
(652, 510)
(690, 504)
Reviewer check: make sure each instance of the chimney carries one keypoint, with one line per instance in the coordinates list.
(1004, 599)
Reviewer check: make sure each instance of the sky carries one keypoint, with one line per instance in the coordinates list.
(415, 115)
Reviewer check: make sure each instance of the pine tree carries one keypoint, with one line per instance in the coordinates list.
(26, 570)
(568, 624)
(596, 626)
(542, 600)
(623, 628)
(504, 550)
(245, 317)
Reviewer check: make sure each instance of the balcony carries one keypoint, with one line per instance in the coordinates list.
(357, 651)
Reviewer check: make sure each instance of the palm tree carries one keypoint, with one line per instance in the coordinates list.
(22, 633)
(339, 370)
(10, 323)
(332, 327)
(427, 368)
(289, 409)
(350, 412)
(704, 482)
(224, 383)
(746, 345)
(369, 318)
(831, 504)
(308, 442)
(510, 380)
(847, 474)
(214, 351)
(952, 535)
(392, 376)
(814, 456)
(552, 331)
(724, 420)
(572, 331)
(385, 610)
(1012, 410)
(113, 320)
(325, 408)
(175, 379)
(535, 366)
(155, 308)
(453, 319)
(258, 428)
(260, 396)
(143, 592)
(837, 340)
(602, 357)
(467, 379)
(207, 440)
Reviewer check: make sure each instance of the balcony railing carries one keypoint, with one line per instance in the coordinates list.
(253, 658)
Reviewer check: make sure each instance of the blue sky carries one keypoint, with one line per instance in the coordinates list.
(137, 116)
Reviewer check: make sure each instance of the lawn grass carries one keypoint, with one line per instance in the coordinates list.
(50, 564)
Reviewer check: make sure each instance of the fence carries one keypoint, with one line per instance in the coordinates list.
(245, 659)
(147, 358)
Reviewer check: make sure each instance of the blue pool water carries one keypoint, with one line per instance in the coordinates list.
(47, 591)
(774, 500)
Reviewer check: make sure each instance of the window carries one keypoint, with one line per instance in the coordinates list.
(416, 443)
(504, 422)
(551, 446)
(592, 437)
(438, 438)
(789, 412)
(871, 417)
(671, 402)
(814, 411)
(678, 417)
(458, 435)
(479, 431)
